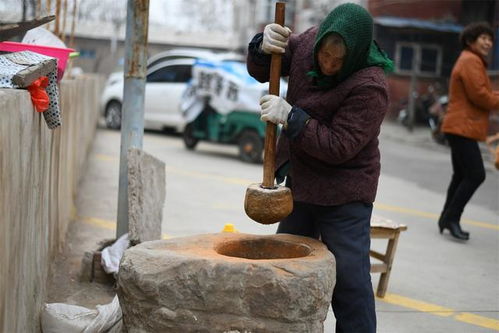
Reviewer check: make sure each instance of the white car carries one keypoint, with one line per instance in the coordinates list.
(167, 76)
(192, 53)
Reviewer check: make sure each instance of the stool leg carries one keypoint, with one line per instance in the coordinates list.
(390, 254)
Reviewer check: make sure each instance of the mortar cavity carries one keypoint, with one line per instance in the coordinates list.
(261, 248)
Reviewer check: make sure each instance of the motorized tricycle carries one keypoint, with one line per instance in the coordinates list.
(221, 105)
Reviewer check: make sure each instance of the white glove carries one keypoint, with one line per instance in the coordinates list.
(274, 109)
(275, 38)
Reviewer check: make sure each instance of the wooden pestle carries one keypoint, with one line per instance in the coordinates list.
(267, 203)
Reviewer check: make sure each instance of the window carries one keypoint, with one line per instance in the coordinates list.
(406, 58)
(87, 53)
(429, 60)
(172, 74)
(423, 59)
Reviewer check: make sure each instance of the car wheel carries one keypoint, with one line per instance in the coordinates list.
(113, 115)
(190, 141)
(250, 147)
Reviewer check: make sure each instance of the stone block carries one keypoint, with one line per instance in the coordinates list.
(146, 196)
(91, 269)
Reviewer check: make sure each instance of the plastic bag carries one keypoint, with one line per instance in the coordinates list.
(42, 36)
(66, 318)
(111, 255)
(39, 95)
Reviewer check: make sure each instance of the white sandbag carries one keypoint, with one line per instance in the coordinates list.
(66, 318)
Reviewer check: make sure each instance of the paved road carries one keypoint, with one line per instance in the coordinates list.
(427, 165)
(437, 284)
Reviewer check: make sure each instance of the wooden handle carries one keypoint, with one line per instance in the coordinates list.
(270, 130)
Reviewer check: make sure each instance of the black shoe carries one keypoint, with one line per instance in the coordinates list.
(456, 232)
(466, 233)
(442, 226)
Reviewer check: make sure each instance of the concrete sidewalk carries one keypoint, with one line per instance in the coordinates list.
(95, 216)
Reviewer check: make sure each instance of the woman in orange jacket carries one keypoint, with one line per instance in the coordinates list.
(466, 122)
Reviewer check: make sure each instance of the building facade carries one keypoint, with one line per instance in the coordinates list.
(422, 37)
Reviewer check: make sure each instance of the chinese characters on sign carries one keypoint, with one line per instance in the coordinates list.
(214, 83)
(224, 86)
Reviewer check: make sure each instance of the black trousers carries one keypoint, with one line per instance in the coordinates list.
(468, 174)
(345, 230)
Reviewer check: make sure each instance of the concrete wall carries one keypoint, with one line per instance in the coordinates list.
(39, 172)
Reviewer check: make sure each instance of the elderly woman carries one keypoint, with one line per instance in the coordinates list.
(336, 101)
(466, 121)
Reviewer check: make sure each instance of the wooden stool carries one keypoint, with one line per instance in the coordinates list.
(384, 229)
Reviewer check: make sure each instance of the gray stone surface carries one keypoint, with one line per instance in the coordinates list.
(146, 196)
(39, 173)
(185, 285)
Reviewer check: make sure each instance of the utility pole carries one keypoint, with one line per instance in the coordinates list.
(132, 122)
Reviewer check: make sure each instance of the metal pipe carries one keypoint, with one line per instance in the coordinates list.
(132, 122)
(57, 17)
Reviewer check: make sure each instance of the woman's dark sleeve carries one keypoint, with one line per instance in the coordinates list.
(258, 63)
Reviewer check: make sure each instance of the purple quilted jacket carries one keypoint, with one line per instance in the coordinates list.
(335, 157)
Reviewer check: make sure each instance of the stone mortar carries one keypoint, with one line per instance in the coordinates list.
(227, 282)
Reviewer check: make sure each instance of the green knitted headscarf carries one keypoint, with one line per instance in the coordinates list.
(355, 25)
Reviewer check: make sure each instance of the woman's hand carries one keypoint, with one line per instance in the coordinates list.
(275, 38)
(274, 109)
